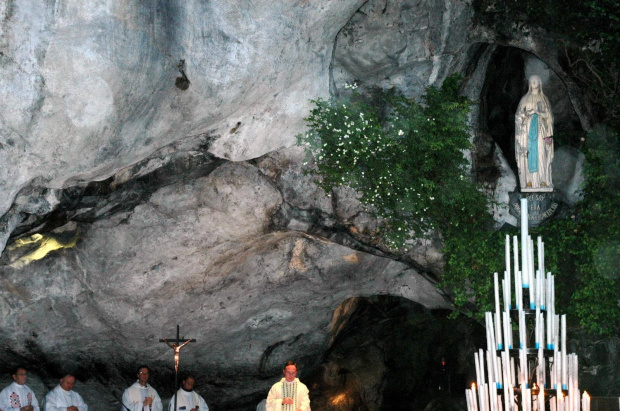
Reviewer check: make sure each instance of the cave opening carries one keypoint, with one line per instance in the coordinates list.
(388, 352)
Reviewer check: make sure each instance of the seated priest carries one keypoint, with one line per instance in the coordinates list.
(18, 395)
(63, 397)
(187, 399)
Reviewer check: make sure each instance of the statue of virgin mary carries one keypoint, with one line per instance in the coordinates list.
(533, 139)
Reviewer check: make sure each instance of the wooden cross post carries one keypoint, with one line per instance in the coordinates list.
(177, 356)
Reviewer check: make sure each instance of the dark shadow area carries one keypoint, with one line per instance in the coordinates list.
(390, 353)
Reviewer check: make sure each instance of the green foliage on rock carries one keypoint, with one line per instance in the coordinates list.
(406, 162)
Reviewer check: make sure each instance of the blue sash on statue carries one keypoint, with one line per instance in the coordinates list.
(532, 145)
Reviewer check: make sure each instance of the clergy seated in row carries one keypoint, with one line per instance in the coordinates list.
(186, 398)
(62, 397)
(140, 396)
(18, 394)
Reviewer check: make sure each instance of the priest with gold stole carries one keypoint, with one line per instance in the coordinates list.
(288, 394)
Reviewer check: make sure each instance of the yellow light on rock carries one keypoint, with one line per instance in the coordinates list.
(47, 244)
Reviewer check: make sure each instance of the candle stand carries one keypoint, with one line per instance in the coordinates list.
(526, 366)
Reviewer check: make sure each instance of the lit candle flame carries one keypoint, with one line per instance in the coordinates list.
(340, 399)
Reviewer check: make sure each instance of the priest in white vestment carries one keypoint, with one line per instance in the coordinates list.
(64, 398)
(188, 399)
(18, 394)
(141, 396)
(289, 394)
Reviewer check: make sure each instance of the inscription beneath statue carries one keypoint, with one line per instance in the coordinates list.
(540, 207)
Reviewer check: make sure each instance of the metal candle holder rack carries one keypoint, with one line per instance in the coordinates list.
(527, 367)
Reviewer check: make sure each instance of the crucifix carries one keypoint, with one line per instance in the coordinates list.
(176, 346)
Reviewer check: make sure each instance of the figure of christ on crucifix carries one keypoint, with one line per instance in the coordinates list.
(177, 352)
(176, 346)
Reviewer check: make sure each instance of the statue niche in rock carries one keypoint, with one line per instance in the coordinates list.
(534, 139)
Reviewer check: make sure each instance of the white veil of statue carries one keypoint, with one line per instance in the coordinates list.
(533, 139)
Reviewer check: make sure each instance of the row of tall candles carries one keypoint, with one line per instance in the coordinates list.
(502, 372)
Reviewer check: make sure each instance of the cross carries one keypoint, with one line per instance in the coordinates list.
(177, 356)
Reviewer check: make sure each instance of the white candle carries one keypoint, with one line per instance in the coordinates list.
(537, 328)
(576, 368)
(524, 243)
(490, 367)
(525, 397)
(557, 368)
(485, 396)
(553, 294)
(498, 328)
(552, 368)
(507, 251)
(539, 368)
(541, 330)
(540, 272)
(571, 388)
(522, 367)
(519, 291)
(522, 330)
(564, 355)
(474, 398)
(530, 272)
(505, 293)
(556, 331)
(548, 294)
(539, 253)
(498, 331)
(482, 376)
(543, 256)
(585, 400)
(540, 279)
(500, 371)
(508, 292)
(489, 329)
(477, 363)
(506, 375)
(507, 330)
(517, 273)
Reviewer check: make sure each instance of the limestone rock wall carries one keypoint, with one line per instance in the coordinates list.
(90, 88)
(147, 180)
